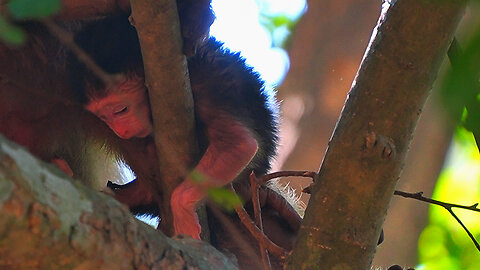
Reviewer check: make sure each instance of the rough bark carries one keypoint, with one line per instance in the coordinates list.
(407, 218)
(49, 222)
(367, 151)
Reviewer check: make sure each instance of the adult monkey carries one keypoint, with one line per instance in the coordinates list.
(35, 106)
(236, 121)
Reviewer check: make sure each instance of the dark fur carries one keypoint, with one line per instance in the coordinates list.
(35, 106)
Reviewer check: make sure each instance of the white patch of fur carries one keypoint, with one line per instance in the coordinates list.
(289, 194)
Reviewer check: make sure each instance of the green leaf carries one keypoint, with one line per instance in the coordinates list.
(224, 197)
(461, 86)
(11, 34)
(33, 9)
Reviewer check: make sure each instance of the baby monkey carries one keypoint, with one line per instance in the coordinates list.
(236, 118)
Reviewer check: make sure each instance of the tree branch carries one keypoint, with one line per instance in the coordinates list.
(257, 233)
(171, 100)
(67, 40)
(46, 221)
(257, 212)
(448, 206)
(366, 153)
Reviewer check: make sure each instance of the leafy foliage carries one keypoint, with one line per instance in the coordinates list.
(225, 198)
(11, 34)
(461, 87)
(443, 244)
(33, 9)
(21, 10)
(221, 196)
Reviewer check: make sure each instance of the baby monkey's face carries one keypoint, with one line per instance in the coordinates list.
(126, 109)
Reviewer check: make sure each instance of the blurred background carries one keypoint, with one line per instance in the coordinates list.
(309, 53)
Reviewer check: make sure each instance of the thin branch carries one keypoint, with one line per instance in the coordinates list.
(256, 227)
(171, 101)
(257, 211)
(274, 175)
(419, 196)
(67, 39)
(256, 233)
(465, 228)
(448, 206)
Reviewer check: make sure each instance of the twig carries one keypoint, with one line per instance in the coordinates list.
(256, 233)
(419, 196)
(448, 206)
(271, 176)
(258, 218)
(256, 227)
(67, 39)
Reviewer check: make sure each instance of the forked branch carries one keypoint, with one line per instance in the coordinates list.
(448, 206)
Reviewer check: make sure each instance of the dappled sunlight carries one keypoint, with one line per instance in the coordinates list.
(444, 244)
(239, 26)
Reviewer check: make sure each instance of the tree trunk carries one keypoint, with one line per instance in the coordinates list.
(355, 184)
(407, 218)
